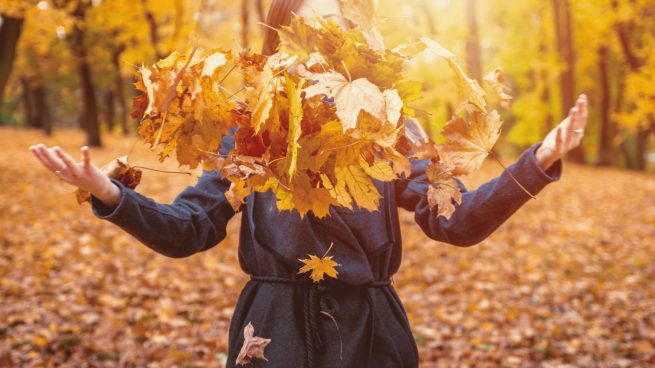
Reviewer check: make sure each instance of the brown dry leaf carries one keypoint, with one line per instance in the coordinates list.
(470, 143)
(116, 169)
(443, 192)
(497, 81)
(253, 346)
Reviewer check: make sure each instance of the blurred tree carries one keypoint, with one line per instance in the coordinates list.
(473, 57)
(635, 29)
(89, 118)
(10, 31)
(566, 47)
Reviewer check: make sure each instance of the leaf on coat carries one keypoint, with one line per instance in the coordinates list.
(319, 267)
(253, 346)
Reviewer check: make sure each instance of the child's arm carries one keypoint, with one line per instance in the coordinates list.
(482, 210)
(195, 221)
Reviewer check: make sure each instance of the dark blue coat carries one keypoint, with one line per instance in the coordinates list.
(284, 306)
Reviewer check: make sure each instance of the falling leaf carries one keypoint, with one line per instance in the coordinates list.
(470, 92)
(319, 267)
(362, 13)
(497, 81)
(470, 143)
(253, 346)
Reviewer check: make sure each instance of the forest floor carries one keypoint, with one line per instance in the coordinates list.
(567, 281)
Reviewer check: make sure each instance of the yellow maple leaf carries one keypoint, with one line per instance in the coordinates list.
(470, 143)
(470, 92)
(319, 267)
(295, 118)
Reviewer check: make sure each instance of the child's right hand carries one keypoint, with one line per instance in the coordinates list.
(83, 175)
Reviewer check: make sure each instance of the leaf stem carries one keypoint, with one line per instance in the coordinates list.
(329, 249)
(512, 176)
(162, 171)
(267, 26)
(347, 71)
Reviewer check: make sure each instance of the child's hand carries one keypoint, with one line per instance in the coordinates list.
(83, 175)
(565, 136)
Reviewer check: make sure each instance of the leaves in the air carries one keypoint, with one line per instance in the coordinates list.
(318, 122)
(496, 79)
(469, 91)
(253, 346)
(319, 267)
(362, 13)
(469, 143)
(117, 169)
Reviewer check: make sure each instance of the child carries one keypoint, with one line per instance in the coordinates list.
(358, 319)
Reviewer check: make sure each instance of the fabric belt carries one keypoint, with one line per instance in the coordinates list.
(316, 302)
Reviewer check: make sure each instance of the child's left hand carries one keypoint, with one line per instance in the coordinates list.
(565, 136)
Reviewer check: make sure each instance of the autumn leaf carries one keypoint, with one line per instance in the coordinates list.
(470, 143)
(116, 169)
(253, 346)
(497, 81)
(443, 191)
(352, 97)
(236, 194)
(295, 119)
(469, 91)
(318, 121)
(319, 267)
(362, 13)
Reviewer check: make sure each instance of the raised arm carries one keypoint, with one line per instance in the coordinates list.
(194, 222)
(482, 210)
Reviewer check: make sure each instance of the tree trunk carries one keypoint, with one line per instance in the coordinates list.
(119, 89)
(245, 23)
(89, 118)
(432, 26)
(110, 111)
(546, 93)
(605, 149)
(624, 32)
(260, 10)
(42, 109)
(642, 144)
(31, 119)
(564, 33)
(9, 34)
(153, 28)
(473, 57)
(179, 19)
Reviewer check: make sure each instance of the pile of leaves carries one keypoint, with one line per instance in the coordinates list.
(318, 121)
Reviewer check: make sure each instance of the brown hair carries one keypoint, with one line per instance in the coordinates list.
(278, 15)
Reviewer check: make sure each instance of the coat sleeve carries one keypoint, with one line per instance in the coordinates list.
(482, 210)
(195, 221)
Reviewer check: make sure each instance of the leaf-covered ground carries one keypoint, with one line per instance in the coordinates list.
(568, 281)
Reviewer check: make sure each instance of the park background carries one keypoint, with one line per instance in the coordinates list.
(567, 281)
